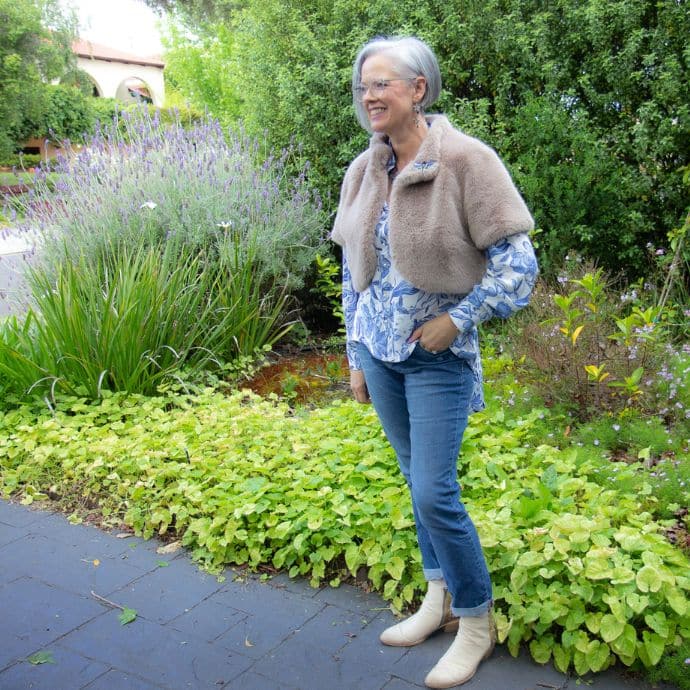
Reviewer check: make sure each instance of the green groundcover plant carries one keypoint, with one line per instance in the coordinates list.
(583, 574)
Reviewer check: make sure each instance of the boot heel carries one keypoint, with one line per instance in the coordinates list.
(451, 626)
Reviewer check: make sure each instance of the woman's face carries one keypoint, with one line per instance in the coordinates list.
(389, 109)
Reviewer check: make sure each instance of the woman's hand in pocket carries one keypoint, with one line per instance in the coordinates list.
(435, 335)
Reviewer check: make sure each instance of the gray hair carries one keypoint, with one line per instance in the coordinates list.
(412, 58)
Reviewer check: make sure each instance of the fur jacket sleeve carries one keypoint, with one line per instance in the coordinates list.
(452, 202)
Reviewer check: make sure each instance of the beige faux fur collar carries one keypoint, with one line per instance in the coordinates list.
(453, 201)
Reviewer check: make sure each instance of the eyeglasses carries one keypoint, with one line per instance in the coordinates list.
(376, 87)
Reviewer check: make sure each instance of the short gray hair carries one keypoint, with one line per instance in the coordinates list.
(412, 57)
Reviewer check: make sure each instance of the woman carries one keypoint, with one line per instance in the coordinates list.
(434, 242)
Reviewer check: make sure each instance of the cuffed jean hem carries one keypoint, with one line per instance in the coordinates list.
(473, 612)
(433, 574)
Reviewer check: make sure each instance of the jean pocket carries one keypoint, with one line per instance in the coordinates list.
(431, 353)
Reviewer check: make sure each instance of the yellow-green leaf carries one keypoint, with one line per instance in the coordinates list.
(657, 622)
(562, 658)
(677, 601)
(648, 579)
(43, 657)
(654, 646)
(540, 649)
(611, 627)
(395, 567)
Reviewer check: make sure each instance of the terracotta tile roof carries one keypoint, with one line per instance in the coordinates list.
(97, 51)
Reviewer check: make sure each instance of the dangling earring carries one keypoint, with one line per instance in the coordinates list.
(416, 109)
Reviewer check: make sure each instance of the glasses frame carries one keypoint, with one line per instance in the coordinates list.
(377, 87)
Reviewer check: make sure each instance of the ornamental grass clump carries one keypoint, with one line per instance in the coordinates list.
(157, 247)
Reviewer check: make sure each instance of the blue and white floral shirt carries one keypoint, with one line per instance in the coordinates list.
(383, 316)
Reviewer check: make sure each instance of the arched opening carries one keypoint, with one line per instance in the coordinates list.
(84, 81)
(134, 90)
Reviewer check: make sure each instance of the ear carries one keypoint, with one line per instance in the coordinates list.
(419, 88)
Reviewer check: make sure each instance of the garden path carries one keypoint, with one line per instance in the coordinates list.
(192, 631)
(14, 252)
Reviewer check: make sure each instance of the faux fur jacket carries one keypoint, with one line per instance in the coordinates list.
(453, 201)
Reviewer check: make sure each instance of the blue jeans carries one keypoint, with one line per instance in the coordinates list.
(423, 406)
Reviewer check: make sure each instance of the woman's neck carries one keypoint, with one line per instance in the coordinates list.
(407, 146)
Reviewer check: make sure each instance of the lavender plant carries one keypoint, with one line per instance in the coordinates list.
(139, 183)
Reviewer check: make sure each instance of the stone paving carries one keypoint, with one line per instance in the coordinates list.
(13, 290)
(194, 631)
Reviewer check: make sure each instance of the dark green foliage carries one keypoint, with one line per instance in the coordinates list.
(21, 161)
(588, 103)
(35, 47)
(68, 114)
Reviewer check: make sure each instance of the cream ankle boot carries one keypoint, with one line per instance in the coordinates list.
(474, 642)
(433, 614)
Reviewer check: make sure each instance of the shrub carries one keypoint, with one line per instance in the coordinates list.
(234, 235)
(593, 349)
(587, 102)
(21, 161)
(104, 111)
(67, 115)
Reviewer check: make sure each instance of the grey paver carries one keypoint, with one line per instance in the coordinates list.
(119, 680)
(349, 597)
(69, 566)
(35, 614)
(9, 533)
(272, 619)
(366, 648)
(308, 666)
(156, 653)
(399, 684)
(253, 681)
(19, 516)
(208, 620)
(194, 632)
(166, 593)
(135, 552)
(333, 627)
(69, 670)
(249, 593)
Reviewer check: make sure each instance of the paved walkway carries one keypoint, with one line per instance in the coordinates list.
(13, 290)
(192, 631)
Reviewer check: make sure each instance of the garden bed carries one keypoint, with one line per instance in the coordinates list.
(308, 377)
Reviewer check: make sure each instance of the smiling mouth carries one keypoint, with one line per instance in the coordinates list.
(376, 111)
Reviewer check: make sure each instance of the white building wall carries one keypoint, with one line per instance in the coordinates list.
(108, 76)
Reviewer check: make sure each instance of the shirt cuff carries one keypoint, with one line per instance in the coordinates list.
(352, 357)
(464, 317)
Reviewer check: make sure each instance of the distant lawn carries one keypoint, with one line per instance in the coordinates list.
(11, 178)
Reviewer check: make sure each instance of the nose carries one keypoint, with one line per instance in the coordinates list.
(368, 95)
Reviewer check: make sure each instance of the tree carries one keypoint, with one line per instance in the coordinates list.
(197, 68)
(35, 48)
